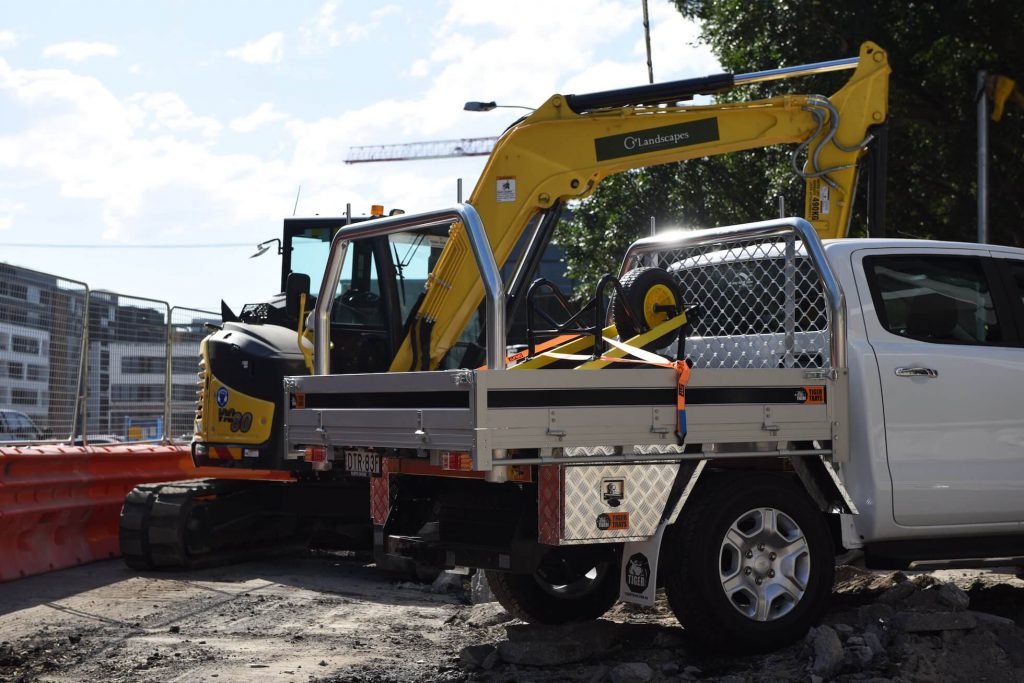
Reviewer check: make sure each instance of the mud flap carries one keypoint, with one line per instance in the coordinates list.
(639, 580)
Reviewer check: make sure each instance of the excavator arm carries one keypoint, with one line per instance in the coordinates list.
(564, 149)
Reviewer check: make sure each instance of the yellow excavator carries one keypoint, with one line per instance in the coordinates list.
(411, 301)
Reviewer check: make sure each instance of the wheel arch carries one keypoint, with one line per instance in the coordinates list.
(812, 474)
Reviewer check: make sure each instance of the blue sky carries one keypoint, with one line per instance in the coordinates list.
(189, 123)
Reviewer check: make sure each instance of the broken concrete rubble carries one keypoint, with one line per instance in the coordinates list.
(890, 628)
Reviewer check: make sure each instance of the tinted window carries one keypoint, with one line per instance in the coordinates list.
(17, 427)
(1017, 273)
(938, 299)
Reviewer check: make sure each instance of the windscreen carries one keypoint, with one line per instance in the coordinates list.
(413, 255)
(310, 249)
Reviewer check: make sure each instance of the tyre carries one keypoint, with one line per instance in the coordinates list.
(749, 565)
(652, 294)
(538, 600)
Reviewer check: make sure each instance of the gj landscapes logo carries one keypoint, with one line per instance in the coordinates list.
(656, 139)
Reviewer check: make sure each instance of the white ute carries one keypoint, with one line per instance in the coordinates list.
(852, 394)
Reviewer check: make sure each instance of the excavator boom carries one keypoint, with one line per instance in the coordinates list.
(564, 149)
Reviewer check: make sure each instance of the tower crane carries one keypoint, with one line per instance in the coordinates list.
(432, 149)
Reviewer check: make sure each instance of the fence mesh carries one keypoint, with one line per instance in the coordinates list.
(42, 322)
(127, 367)
(188, 328)
(759, 303)
(97, 365)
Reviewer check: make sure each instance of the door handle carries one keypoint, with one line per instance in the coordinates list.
(916, 372)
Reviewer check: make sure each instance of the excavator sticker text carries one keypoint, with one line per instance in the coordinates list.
(820, 200)
(656, 139)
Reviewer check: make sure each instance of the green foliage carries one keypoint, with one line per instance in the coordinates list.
(935, 49)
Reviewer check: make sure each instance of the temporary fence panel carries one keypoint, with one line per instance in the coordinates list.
(42, 327)
(126, 370)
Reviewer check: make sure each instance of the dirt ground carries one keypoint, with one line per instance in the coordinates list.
(333, 617)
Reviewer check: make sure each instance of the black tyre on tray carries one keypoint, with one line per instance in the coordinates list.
(653, 295)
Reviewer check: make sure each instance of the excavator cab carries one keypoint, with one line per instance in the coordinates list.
(238, 419)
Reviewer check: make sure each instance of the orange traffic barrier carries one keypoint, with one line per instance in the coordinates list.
(59, 505)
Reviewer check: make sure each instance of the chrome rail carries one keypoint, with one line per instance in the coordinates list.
(489, 273)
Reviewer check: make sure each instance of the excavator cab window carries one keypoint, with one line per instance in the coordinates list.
(414, 255)
(362, 329)
(307, 252)
(357, 300)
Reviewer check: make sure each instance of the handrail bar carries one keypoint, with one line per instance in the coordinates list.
(489, 273)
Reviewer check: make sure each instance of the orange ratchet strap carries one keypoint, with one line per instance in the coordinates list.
(642, 357)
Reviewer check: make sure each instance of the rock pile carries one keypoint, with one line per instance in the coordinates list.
(885, 627)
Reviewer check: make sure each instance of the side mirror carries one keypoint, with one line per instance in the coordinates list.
(295, 286)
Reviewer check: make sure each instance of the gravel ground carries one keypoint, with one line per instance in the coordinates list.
(334, 618)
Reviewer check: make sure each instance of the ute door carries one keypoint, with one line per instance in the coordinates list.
(941, 326)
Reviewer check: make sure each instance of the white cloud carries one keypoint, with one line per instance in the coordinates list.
(419, 68)
(8, 38)
(326, 31)
(322, 31)
(675, 41)
(267, 50)
(486, 52)
(121, 152)
(261, 116)
(166, 111)
(79, 51)
(8, 210)
(386, 11)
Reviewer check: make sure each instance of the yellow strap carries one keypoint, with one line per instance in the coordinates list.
(642, 357)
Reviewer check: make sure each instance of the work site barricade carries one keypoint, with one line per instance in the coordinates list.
(59, 505)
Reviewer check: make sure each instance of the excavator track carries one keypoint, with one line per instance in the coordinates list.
(186, 525)
(134, 521)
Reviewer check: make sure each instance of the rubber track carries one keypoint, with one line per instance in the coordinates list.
(167, 523)
(135, 512)
(154, 521)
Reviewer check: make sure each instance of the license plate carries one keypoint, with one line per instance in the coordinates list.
(362, 463)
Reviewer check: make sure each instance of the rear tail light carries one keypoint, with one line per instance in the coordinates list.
(456, 460)
(314, 454)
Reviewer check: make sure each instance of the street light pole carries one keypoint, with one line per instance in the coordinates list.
(647, 38)
(488, 106)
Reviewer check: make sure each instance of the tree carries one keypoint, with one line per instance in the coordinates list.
(935, 48)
